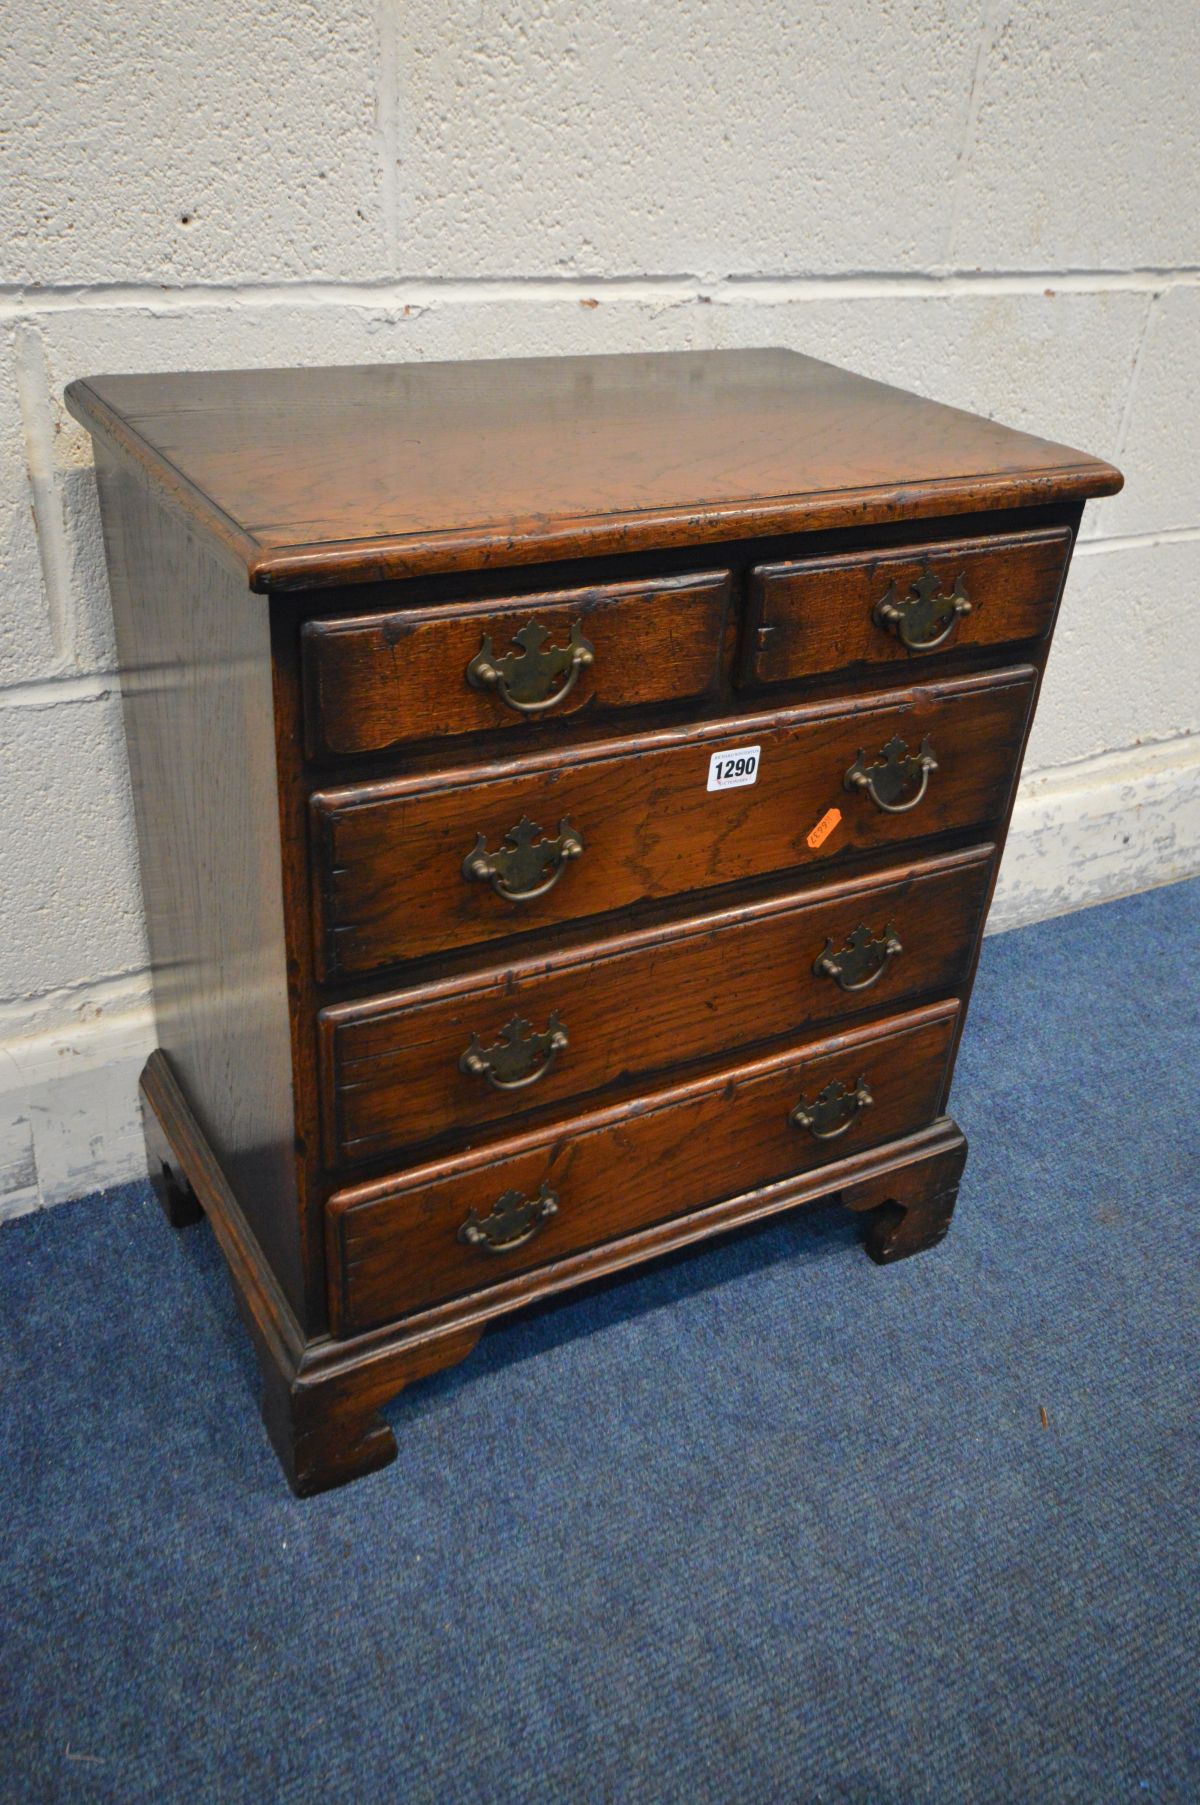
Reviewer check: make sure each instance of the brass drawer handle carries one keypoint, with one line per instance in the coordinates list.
(834, 1111)
(512, 1222)
(862, 960)
(924, 618)
(524, 680)
(512, 1064)
(891, 774)
(517, 872)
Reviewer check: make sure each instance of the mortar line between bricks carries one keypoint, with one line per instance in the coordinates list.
(1171, 755)
(19, 302)
(130, 987)
(60, 690)
(1128, 542)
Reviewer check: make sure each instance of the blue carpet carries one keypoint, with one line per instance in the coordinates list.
(763, 1523)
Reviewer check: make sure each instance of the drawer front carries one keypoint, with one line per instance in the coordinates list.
(823, 614)
(445, 1230)
(418, 866)
(379, 680)
(398, 1070)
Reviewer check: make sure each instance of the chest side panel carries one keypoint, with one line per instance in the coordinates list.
(197, 694)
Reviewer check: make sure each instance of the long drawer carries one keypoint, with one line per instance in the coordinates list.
(446, 1229)
(417, 866)
(400, 1069)
(378, 680)
(826, 614)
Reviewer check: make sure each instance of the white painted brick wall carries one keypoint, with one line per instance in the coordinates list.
(997, 204)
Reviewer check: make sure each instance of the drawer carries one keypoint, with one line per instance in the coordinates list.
(420, 865)
(487, 1048)
(823, 614)
(462, 1224)
(378, 680)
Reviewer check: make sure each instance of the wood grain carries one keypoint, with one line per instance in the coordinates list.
(320, 1414)
(634, 1006)
(908, 1212)
(322, 1397)
(393, 1247)
(379, 680)
(308, 477)
(196, 691)
(388, 857)
(394, 515)
(817, 614)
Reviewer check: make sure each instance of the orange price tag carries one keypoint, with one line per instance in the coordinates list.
(824, 828)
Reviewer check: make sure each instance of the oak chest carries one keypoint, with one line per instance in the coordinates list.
(569, 793)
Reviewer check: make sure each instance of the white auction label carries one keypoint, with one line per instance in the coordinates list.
(732, 770)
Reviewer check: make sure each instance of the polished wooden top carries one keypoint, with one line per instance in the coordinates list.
(359, 474)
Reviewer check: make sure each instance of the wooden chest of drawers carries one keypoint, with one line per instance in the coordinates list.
(569, 794)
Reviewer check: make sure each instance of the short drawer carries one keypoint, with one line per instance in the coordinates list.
(463, 1224)
(420, 865)
(400, 1069)
(378, 680)
(826, 614)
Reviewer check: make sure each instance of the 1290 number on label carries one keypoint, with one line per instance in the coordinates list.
(733, 769)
